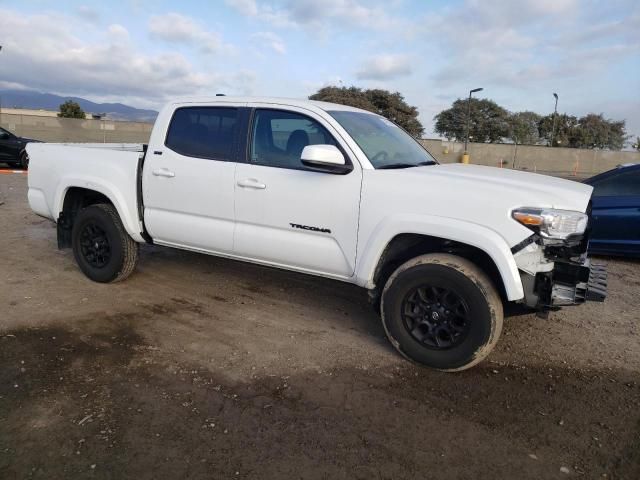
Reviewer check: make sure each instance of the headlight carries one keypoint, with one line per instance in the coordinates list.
(552, 223)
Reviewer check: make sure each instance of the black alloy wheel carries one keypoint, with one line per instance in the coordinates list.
(442, 311)
(24, 160)
(94, 245)
(102, 247)
(436, 317)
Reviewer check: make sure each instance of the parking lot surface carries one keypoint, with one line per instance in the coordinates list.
(200, 367)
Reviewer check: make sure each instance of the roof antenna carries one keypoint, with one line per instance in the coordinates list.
(220, 95)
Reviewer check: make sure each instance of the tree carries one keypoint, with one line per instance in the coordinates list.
(590, 131)
(565, 126)
(637, 144)
(523, 128)
(71, 109)
(488, 121)
(594, 131)
(383, 102)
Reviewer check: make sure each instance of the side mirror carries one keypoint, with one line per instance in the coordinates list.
(4, 136)
(325, 158)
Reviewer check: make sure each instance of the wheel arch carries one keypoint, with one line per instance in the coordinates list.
(393, 244)
(72, 198)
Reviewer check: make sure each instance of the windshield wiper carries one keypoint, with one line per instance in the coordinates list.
(405, 165)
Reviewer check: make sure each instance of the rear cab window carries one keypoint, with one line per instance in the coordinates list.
(204, 132)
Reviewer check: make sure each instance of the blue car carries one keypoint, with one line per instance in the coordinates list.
(616, 212)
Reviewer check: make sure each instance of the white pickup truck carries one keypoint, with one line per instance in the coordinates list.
(333, 191)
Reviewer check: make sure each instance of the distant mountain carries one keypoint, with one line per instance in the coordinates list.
(49, 101)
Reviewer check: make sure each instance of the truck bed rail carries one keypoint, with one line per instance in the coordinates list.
(125, 147)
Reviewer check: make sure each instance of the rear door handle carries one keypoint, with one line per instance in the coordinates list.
(164, 172)
(251, 183)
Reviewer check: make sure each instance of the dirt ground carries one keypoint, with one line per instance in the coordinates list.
(199, 367)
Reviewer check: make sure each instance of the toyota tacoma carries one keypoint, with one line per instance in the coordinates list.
(333, 191)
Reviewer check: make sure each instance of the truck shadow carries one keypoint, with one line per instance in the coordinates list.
(104, 401)
(243, 285)
(232, 282)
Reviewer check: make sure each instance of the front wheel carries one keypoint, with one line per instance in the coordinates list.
(103, 249)
(442, 311)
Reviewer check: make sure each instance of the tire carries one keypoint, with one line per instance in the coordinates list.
(24, 160)
(442, 311)
(102, 248)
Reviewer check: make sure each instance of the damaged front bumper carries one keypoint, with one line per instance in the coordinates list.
(557, 276)
(575, 283)
(569, 283)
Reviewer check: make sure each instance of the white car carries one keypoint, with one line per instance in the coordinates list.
(333, 191)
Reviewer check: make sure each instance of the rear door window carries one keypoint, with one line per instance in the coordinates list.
(204, 132)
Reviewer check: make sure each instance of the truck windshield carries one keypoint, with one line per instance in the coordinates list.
(384, 143)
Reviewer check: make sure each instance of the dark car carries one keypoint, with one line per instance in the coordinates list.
(616, 212)
(12, 149)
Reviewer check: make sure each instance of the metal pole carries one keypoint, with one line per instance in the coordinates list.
(466, 137)
(555, 116)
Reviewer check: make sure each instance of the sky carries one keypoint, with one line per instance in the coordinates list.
(143, 52)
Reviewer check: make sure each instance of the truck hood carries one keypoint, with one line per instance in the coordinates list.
(471, 193)
(531, 189)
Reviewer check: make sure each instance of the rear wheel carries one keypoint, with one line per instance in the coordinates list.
(24, 160)
(102, 248)
(442, 311)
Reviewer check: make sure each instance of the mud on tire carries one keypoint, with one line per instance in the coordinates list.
(102, 248)
(442, 311)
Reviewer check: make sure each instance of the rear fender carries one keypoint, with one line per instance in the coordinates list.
(127, 208)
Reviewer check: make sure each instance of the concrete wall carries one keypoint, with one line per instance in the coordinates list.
(54, 129)
(29, 111)
(563, 162)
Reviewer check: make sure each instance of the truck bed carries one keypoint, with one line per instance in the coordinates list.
(108, 168)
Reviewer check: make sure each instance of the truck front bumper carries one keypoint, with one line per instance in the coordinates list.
(575, 283)
(571, 282)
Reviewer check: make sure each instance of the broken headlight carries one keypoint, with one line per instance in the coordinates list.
(552, 223)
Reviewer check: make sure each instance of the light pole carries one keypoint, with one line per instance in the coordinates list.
(466, 137)
(555, 115)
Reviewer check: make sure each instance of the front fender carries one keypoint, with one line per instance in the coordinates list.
(468, 233)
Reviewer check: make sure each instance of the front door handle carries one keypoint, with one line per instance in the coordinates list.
(251, 183)
(164, 172)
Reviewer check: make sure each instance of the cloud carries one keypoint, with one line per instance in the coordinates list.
(521, 44)
(177, 28)
(88, 13)
(267, 13)
(270, 40)
(245, 7)
(310, 12)
(118, 34)
(314, 14)
(385, 67)
(46, 53)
